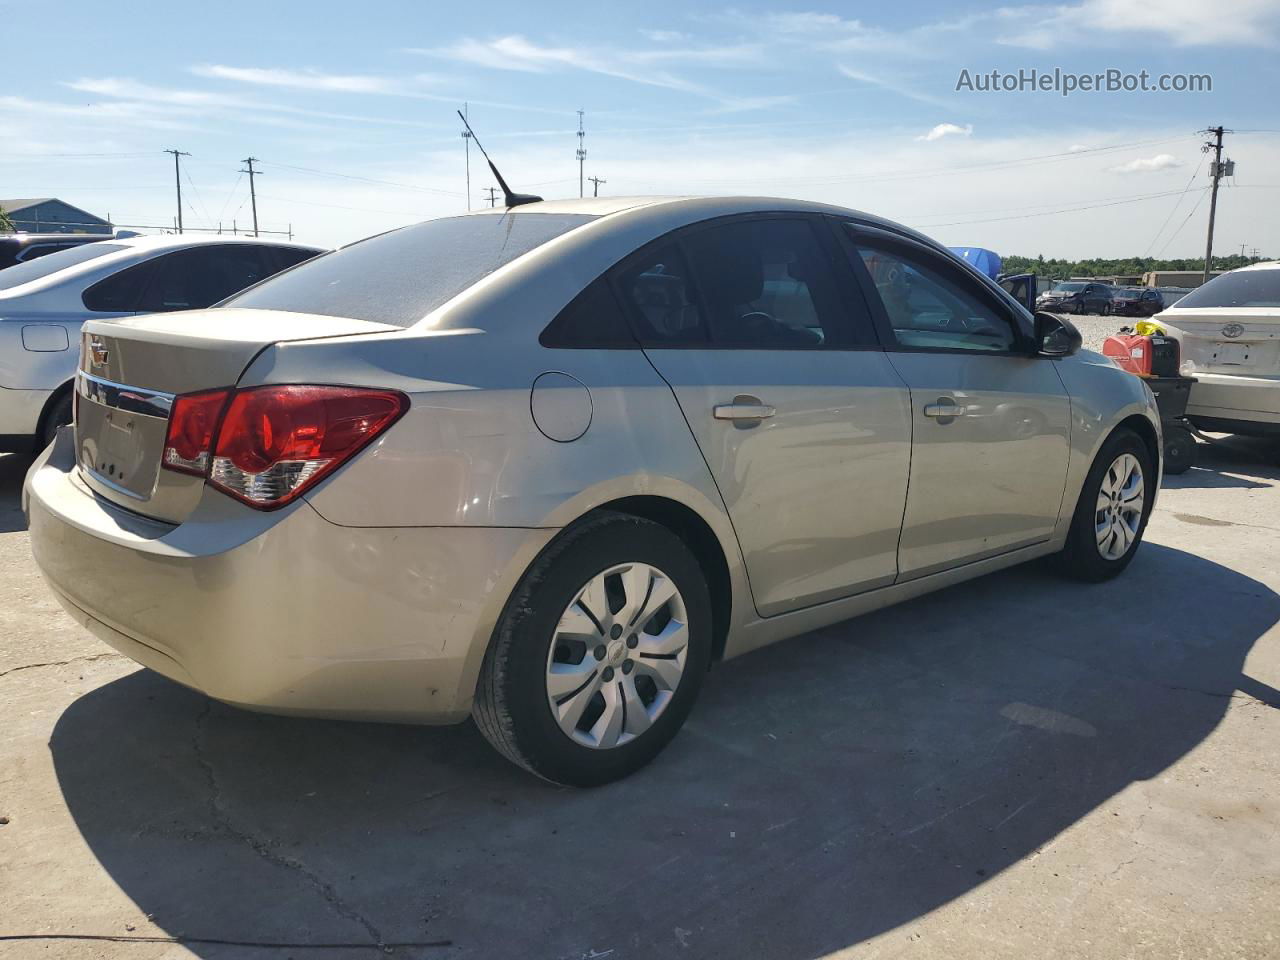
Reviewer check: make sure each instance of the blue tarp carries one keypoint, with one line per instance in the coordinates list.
(984, 261)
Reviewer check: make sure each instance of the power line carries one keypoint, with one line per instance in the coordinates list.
(1176, 204)
(1173, 236)
(352, 176)
(1048, 213)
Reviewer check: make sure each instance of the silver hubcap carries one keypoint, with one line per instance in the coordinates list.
(617, 655)
(1119, 510)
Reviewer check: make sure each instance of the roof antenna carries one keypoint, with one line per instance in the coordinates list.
(511, 199)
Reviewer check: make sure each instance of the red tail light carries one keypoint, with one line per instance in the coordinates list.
(192, 421)
(273, 443)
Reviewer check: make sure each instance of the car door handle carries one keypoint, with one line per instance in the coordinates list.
(945, 408)
(743, 408)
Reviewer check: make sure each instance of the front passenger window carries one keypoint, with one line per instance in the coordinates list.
(928, 309)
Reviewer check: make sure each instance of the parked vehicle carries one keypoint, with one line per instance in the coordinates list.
(1229, 336)
(543, 465)
(44, 302)
(22, 247)
(1134, 302)
(1075, 296)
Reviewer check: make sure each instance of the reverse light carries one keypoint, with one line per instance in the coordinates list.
(189, 439)
(267, 445)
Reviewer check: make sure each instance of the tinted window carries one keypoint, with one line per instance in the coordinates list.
(929, 307)
(1242, 288)
(400, 277)
(201, 276)
(593, 319)
(286, 257)
(121, 292)
(38, 250)
(36, 269)
(765, 283)
(658, 293)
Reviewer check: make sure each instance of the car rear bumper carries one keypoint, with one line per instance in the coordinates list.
(1238, 398)
(282, 612)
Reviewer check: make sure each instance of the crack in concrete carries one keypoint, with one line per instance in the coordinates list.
(62, 663)
(263, 848)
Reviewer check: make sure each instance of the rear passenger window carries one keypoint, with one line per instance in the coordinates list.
(593, 320)
(766, 284)
(121, 292)
(658, 292)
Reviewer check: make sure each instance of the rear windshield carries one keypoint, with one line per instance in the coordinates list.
(401, 276)
(1067, 287)
(29, 270)
(1243, 288)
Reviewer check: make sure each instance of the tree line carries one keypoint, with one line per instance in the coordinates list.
(1125, 267)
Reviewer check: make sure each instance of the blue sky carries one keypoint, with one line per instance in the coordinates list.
(349, 106)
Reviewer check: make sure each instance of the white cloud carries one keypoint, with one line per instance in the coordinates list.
(947, 130)
(1185, 23)
(307, 79)
(1161, 161)
(1077, 148)
(884, 82)
(665, 36)
(517, 53)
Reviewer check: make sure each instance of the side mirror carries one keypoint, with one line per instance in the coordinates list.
(1056, 336)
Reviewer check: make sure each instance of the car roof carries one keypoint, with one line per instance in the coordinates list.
(692, 209)
(167, 240)
(1264, 265)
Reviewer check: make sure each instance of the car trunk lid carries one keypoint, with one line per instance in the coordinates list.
(130, 371)
(1227, 340)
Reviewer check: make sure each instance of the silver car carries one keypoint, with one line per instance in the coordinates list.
(44, 302)
(544, 466)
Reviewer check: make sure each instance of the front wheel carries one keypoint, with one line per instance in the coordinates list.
(599, 654)
(1111, 514)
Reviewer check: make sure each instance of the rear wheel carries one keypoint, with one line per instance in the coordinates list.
(59, 415)
(1111, 514)
(599, 654)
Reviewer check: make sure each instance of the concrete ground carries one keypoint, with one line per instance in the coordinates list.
(1015, 767)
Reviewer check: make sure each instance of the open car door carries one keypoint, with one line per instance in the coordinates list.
(1022, 287)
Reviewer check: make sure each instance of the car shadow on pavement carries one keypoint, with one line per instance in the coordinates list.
(1231, 461)
(827, 789)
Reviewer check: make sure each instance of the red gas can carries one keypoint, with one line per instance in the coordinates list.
(1153, 356)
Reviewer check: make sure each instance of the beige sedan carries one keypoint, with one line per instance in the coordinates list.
(544, 466)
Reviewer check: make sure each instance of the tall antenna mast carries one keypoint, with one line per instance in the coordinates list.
(466, 139)
(582, 155)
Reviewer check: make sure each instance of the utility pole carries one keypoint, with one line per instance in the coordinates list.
(253, 195)
(493, 194)
(466, 140)
(1216, 146)
(582, 155)
(595, 185)
(177, 182)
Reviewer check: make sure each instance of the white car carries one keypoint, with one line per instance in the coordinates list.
(44, 302)
(1229, 336)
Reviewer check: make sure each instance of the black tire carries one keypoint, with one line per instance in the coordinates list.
(1179, 449)
(511, 707)
(1081, 559)
(59, 415)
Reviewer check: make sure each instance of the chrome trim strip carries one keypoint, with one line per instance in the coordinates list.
(119, 396)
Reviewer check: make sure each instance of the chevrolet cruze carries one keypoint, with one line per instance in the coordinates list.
(543, 466)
